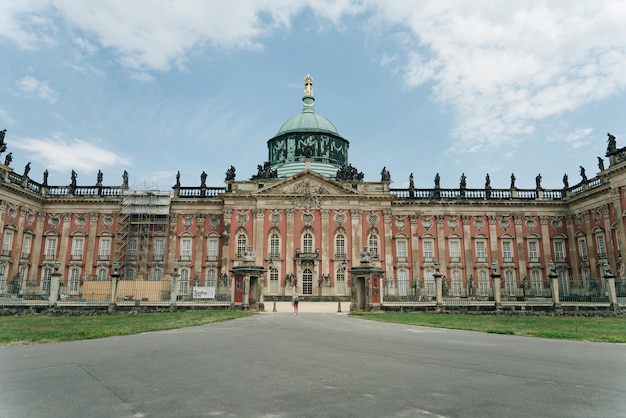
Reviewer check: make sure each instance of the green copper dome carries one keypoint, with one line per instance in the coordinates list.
(308, 121)
(307, 137)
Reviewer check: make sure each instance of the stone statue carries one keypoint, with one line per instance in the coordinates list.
(125, 179)
(177, 179)
(583, 175)
(512, 180)
(411, 182)
(538, 181)
(203, 179)
(308, 85)
(27, 169)
(8, 159)
(463, 181)
(45, 178)
(3, 145)
(73, 179)
(385, 175)
(600, 163)
(437, 180)
(565, 181)
(265, 172)
(99, 178)
(612, 146)
(349, 173)
(230, 174)
(487, 182)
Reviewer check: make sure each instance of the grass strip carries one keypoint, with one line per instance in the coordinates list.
(599, 329)
(36, 329)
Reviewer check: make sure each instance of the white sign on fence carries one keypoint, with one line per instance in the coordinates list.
(203, 292)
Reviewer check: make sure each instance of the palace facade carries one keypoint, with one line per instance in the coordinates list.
(304, 222)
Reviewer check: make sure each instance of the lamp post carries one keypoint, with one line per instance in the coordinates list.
(55, 284)
(438, 285)
(609, 282)
(495, 277)
(174, 287)
(115, 277)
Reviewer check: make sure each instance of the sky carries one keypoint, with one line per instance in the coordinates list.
(424, 87)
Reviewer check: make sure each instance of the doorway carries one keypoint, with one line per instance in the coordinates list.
(254, 293)
(360, 294)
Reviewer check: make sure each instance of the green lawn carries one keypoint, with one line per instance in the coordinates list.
(611, 330)
(34, 329)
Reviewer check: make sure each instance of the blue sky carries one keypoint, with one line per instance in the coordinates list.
(450, 87)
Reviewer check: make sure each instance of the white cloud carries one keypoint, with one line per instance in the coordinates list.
(59, 154)
(33, 87)
(504, 66)
(6, 118)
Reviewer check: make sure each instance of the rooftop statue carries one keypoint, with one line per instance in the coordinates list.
(612, 145)
(600, 163)
(99, 178)
(27, 169)
(437, 181)
(538, 181)
(411, 182)
(203, 179)
(565, 181)
(487, 181)
(385, 175)
(8, 159)
(308, 85)
(463, 181)
(583, 175)
(512, 181)
(125, 179)
(45, 178)
(230, 174)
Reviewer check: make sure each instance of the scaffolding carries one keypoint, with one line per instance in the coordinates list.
(143, 215)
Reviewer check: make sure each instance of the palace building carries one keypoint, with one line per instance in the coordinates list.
(308, 223)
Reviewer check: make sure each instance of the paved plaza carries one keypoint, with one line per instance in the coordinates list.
(321, 364)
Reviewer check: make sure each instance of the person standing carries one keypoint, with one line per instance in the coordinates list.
(294, 302)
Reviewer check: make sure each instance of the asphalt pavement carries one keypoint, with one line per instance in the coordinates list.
(313, 365)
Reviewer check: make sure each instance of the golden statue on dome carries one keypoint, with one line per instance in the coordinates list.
(308, 85)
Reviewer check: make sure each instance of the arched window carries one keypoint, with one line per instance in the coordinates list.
(372, 244)
(274, 245)
(242, 244)
(307, 242)
(307, 282)
(340, 246)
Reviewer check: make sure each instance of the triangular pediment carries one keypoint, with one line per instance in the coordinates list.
(307, 183)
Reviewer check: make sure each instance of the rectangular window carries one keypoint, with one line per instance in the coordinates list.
(26, 247)
(74, 281)
(212, 249)
(537, 283)
(105, 249)
(427, 248)
(157, 274)
(341, 282)
(403, 282)
(401, 250)
(77, 249)
(582, 249)
(3, 278)
(429, 283)
(533, 252)
(509, 281)
(159, 249)
(307, 243)
(7, 244)
(185, 249)
(131, 249)
(51, 249)
(373, 245)
(456, 283)
(45, 280)
(483, 283)
(481, 252)
(211, 278)
(507, 252)
(455, 251)
(102, 274)
(183, 286)
(563, 283)
(559, 251)
(601, 246)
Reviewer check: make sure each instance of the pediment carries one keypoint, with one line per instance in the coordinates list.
(307, 183)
